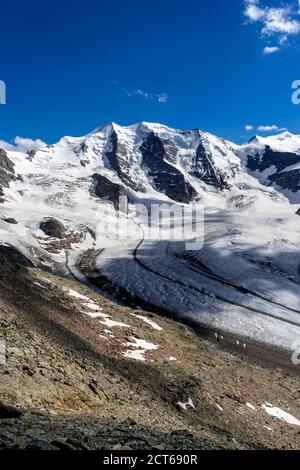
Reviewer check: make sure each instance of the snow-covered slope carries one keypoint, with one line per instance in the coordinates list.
(59, 206)
(275, 161)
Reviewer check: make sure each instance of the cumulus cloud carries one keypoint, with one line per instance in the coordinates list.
(277, 22)
(265, 128)
(21, 144)
(271, 50)
(253, 11)
(271, 128)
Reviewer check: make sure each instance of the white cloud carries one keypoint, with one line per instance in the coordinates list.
(271, 50)
(143, 94)
(160, 97)
(283, 40)
(278, 22)
(21, 144)
(271, 128)
(266, 128)
(254, 12)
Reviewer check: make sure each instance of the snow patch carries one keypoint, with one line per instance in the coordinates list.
(96, 314)
(74, 293)
(188, 404)
(153, 325)
(251, 406)
(112, 324)
(141, 347)
(280, 414)
(92, 306)
(39, 285)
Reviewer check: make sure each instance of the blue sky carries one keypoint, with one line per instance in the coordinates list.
(217, 65)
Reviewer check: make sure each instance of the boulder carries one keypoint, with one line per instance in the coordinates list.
(10, 220)
(9, 412)
(53, 228)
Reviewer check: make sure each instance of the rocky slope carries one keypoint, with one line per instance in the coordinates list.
(72, 381)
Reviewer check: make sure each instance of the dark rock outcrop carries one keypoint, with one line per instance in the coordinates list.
(14, 256)
(53, 228)
(118, 160)
(10, 220)
(7, 172)
(81, 152)
(289, 180)
(9, 412)
(205, 170)
(31, 154)
(166, 178)
(107, 190)
(5, 162)
(280, 160)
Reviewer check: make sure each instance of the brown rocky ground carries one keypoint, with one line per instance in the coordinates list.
(70, 385)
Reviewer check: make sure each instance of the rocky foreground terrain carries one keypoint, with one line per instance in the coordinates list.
(82, 372)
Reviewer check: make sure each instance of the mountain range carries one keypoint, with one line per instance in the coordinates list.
(114, 339)
(60, 203)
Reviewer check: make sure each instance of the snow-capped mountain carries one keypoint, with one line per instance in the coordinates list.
(185, 166)
(59, 207)
(275, 161)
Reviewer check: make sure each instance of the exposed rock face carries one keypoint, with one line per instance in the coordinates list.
(287, 180)
(81, 151)
(205, 170)
(280, 161)
(166, 178)
(298, 212)
(118, 160)
(9, 412)
(107, 190)
(53, 228)
(31, 154)
(7, 172)
(10, 220)
(14, 256)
